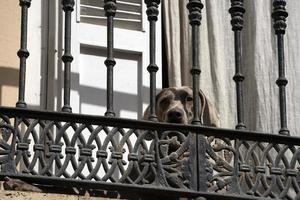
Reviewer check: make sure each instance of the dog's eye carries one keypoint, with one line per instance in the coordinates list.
(164, 103)
(188, 98)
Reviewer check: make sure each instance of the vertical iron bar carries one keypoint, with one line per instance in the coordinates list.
(237, 11)
(67, 58)
(279, 16)
(110, 11)
(152, 13)
(197, 142)
(194, 7)
(23, 52)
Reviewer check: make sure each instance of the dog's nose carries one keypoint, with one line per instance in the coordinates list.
(175, 116)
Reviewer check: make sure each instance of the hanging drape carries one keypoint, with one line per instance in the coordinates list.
(260, 65)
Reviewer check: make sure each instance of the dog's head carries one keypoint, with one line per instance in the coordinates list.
(175, 105)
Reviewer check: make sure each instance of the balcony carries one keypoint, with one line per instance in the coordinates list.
(104, 153)
(138, 158)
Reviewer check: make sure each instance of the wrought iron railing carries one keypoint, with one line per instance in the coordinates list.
(112, 153)
(109, 153)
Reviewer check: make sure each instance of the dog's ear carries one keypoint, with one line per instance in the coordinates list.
(146, 113)
(208, 113)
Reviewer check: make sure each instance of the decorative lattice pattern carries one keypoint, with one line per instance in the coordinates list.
(164, 158)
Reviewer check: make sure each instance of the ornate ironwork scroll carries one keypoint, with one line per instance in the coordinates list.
(266, 169)
(92, 152)
(46, 147)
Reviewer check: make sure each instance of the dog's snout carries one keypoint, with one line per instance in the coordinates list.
(175, 116)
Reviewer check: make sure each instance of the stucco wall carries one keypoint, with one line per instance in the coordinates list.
(9, 45)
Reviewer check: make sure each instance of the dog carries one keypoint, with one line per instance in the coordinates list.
(175, 105)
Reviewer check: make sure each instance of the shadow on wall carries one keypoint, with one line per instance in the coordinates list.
(96, 96)
(122, 101)
(8, 86)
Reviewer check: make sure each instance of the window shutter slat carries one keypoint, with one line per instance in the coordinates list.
(128, 16)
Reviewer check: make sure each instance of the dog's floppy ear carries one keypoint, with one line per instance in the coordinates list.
(208, 113)
(146, 113)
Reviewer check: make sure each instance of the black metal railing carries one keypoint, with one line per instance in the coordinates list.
(110, 11)
(109, 153)
(23, 53)
(279, 15)
(52, 147)
(67, 58)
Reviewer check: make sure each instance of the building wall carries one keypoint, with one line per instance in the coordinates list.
(9, 45)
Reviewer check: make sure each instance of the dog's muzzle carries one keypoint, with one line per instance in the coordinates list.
(175, 116)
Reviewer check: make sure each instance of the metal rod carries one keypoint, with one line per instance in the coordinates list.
(67, 58)
(194, 7)
(237, 11)
(152, 13)
(197, 142)
(110, 11)
(279, 16)
(23, 52)
(196, 71)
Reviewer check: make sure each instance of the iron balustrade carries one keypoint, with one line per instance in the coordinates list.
(23, 53)
(237, 10)
(130, 156)
(152, 13)
(197, 146)
(67, 58)
(279, 15)
(74, 149)
(110, 11)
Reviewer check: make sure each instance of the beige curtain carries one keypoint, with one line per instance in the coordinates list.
(217, 60)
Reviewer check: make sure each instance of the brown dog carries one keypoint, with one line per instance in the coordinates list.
(175, 105)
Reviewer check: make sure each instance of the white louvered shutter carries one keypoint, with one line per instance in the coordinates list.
(129, 13)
